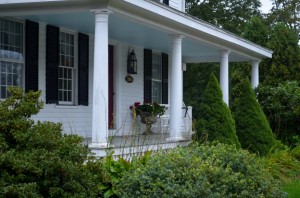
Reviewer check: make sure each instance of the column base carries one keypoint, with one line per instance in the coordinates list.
(97, 145)
(175, 139)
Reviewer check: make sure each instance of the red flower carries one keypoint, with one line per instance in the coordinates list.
(137, 104)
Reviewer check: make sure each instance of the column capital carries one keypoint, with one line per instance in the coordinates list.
(255, 62)
(101, 11)
(224, 52)
(176, 37)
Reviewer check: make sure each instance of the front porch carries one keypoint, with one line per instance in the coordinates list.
(108, 30)
(135, 145)
(138, 142)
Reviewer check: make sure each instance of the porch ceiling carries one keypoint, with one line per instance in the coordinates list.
(135, 33)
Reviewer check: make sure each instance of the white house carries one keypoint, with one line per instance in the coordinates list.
(76, 52)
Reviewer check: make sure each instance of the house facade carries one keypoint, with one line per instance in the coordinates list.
(76, 51)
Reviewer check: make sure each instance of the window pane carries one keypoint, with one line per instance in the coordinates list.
(69, 96)
(60, 84)
(3, 79)
(156, 91)
(69, 84)
(11, 57)
(156, 78)
(70, 74)
(3, 92)
(66, 67)
(156, 66)
(15, 80)
(60, 95)
(65, 96)
(65, 73)
(11, 39)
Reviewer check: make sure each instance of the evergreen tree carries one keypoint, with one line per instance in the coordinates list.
(196, 78)
(216, 120)
(252, 126)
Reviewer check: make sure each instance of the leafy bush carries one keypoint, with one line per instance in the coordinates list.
(281, 105)
(252, 126)
(283, 163)
(36, 159)
(215, 170)
(216, 120)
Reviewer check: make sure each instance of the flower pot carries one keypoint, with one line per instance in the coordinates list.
(148, 118)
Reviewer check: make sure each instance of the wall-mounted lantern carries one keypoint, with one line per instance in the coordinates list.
(131, 63)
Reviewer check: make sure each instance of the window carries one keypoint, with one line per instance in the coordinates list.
(11, 55)
(163, 1)
(66, 68)
(156, 78)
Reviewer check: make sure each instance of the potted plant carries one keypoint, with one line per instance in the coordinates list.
(148, 113)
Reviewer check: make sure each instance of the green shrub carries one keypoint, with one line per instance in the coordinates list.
(283, 163)
(215, 170)
(216, 121)
(252, 126)
(281, 105)
(36, 159)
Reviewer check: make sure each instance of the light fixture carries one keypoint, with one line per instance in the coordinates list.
(131, 63)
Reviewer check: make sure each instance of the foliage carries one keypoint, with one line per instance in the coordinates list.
(252, 126)
(215, 170)
(230, 15)
(281, 104)
(285, 63)
(287, 12)
(283, 163)
(256, 30)
(108, 171)
(153, 108)
(216, 121)
(196, 78)
(36, 159)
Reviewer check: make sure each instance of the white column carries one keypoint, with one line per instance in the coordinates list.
(100, 83)
(176, 86)
(224, 79)
(254, 74)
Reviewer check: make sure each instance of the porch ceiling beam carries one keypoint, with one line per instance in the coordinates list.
(177, 22)
(34, 7)
(213, 59)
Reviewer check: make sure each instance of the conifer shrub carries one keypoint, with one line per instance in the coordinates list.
(252, 126)
(214, 170)
(216, 121)
(36, 159)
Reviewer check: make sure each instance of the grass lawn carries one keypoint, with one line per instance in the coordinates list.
(292, 188)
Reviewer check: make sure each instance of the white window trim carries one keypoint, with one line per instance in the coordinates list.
(75, 70)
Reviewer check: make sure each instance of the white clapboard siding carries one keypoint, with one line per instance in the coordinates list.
(177, 4)
(75, 119)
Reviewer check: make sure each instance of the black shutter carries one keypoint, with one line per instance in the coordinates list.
(165, 75)
(166, 2)
(147, 75)
(31, 56)
(52, 63)
(83, 69)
